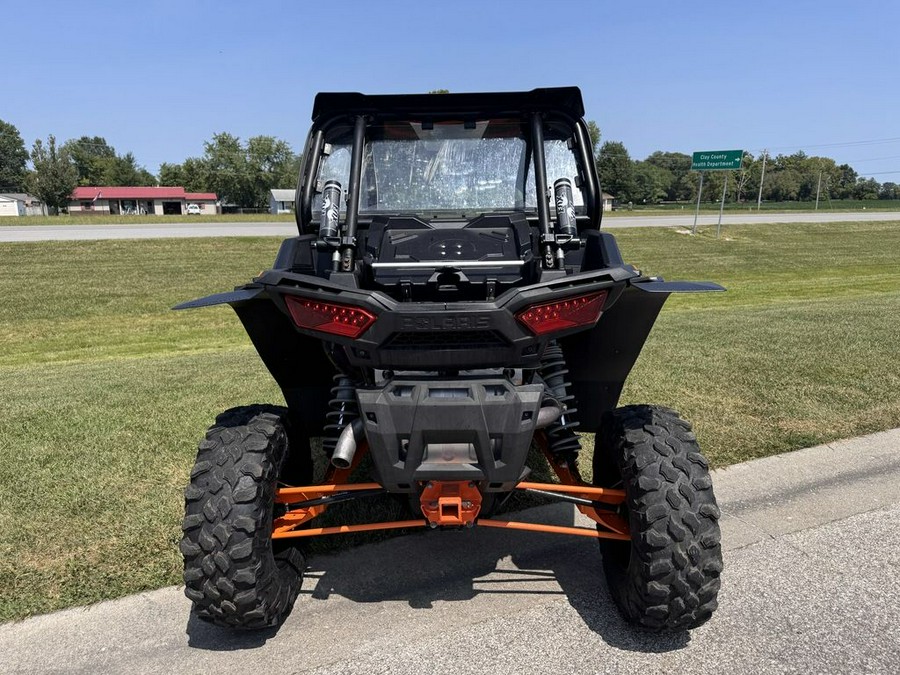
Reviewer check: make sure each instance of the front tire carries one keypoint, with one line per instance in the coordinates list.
(232, 572)
(667, 577)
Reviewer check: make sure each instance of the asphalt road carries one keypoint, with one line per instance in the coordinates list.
(10, 233)
(811, 585)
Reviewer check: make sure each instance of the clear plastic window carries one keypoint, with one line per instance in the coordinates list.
(335, 166)
(458, 166)
(560, 163)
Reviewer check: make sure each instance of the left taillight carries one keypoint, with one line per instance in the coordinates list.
(329, 317)
(550, 317)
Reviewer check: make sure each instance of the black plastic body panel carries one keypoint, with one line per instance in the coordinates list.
(412, 259)
(296, 361)
(433, 431)
(455, 429)
(600, 359)
(454, 335)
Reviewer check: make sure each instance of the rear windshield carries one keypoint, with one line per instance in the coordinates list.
(454, 166)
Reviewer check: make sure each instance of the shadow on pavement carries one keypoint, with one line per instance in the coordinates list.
(203, 635)
(457, 566)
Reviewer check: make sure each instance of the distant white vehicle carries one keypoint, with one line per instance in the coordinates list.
(193, 209)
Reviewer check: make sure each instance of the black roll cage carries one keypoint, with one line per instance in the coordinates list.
(537, 109)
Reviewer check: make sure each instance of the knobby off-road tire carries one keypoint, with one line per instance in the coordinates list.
(232, 572)
(667, 577)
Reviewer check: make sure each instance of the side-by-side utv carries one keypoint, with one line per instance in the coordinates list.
(449, 301)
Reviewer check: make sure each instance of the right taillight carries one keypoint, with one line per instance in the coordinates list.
(329, 317)
(549, 317)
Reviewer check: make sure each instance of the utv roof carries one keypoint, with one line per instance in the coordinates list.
(558, 99)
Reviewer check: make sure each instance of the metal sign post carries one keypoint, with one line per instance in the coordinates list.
(697, 212)
(722, 206)
(715, 160)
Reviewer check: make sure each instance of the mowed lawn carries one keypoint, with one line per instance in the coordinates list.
(104, 392)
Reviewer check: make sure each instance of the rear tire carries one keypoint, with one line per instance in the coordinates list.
(667, 577)
(232, 572)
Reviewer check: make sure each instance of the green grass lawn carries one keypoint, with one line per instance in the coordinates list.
(104, 392)
(825, 206)
(148, 220)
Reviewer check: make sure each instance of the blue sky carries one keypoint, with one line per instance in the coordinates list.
(160, 77)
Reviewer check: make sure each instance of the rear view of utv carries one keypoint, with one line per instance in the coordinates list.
(450, 301)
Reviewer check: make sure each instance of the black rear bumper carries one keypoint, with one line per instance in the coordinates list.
(459, 429)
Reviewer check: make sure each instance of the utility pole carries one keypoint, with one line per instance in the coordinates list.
(818, 190)
(761, 179)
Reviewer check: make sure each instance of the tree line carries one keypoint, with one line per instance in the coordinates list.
(240, 173)
(243, 172)
(667, 177)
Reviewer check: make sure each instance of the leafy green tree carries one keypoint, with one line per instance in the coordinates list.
(683, 183)
(90, 156)
(889, 190)
(650, 183)
(866, 188)
(171, 174)
(13, 159)
(240, 174)
(273, 165)
(97, 163)
(782, 185)
(616, 171)
(54, 176)
(195, 175)
(594, 133)
(228, 172)
(843, 187)
(124, 170)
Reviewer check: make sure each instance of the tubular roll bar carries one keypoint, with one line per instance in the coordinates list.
(316, 143)
(348, 242)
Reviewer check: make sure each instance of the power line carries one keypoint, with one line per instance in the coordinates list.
(872, 159)
(875, 141)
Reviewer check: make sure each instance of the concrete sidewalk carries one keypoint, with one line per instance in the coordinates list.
(811, 585)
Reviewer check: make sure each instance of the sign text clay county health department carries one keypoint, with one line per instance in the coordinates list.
(717, 160)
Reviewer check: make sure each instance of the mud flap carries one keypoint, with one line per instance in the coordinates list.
(599, 360)
(296, 361)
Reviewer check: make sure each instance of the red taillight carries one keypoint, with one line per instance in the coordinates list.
(329, 317)
(549, 317)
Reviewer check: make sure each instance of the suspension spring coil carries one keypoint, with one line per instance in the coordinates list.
(561, 437)
(343, 409)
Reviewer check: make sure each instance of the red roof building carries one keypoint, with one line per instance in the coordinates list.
(140, 200)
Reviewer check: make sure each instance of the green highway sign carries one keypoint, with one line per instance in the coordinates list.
(717, 160)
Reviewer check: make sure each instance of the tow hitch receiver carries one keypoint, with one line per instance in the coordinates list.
(451, 503)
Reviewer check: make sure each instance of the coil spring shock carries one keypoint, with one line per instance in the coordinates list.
(561, 437)
(343, 410)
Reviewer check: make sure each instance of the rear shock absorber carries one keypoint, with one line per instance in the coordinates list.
(343, 410)
(561, 437)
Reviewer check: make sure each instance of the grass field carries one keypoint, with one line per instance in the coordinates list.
(104, 392)
(825, 206)
(149, 220)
